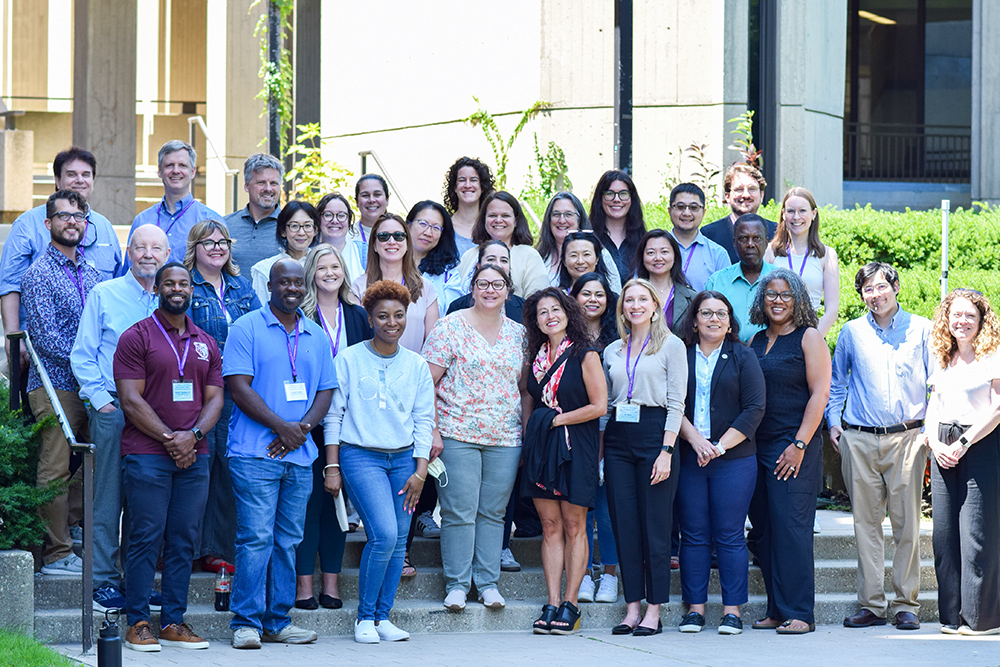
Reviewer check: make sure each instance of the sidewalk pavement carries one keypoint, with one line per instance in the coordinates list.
(829, 645)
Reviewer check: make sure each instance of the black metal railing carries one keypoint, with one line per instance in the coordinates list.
(897, 152)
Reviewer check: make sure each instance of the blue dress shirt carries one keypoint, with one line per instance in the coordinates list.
(706, 257)
(704, 368)
(187, 212)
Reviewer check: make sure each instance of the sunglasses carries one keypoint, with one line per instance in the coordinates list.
(398, 237)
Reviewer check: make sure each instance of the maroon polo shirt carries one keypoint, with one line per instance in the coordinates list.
(144, 354)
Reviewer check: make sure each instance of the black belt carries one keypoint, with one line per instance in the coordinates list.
(886, 430)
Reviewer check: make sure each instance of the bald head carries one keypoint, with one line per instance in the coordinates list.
(287, 284)
(147, 251)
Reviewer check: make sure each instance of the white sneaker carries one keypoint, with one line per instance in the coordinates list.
(455, 601)
(969, 632)
(76, 534)
(390, 633)
(586, 589)
(492, 599)
(816, 529)
(608, 590)
(246, 637)
(290, 634)
(508, 563)
(364, 632)
(71, 565)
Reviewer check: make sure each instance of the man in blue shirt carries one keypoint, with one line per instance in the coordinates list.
(280, 374)
(178, 211)
(700, 256)
(252, 228)
(112, 307)
(880, 367)
(739, 281)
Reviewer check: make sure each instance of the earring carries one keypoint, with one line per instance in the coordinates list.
(653, 317)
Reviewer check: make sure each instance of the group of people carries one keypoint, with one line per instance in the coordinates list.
(663, 384)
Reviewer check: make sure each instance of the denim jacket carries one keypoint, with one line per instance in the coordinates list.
(206, 311)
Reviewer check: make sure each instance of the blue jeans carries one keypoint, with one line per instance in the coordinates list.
(713, 503)
(605, 533)
(271, 499)
(480, 478)
(166, 504)
(373, 480)
(106, 435)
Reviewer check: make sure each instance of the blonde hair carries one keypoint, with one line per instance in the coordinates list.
(309, 302)
(658, 330)
(201, 231)
(987, 340)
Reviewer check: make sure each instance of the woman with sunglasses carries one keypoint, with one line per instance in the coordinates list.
(565, 214)
(297, 230)
(434, 250)
(795, 361)
(390, 257)
(336, 226)
(220, 296)
(466, 185)
(616, 214)
(656, 260)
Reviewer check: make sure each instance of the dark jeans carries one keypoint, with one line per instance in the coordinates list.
(713, 503)
(166, 504)
(322, 531)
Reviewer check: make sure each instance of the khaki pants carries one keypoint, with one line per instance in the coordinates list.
(53, 464)
(885, 472)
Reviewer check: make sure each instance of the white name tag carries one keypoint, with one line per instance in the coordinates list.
(295, 391)
(627, 412)
(183, 392)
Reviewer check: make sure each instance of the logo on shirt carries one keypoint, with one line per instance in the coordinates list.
(201, 350)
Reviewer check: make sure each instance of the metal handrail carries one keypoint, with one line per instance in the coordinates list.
(385, 172)
(200, 122)
(84, 448)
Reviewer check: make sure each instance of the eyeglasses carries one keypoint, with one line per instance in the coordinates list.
(753, 191)
(707, 314)
(295, 227)
(569, 216)
(623, 195)
(330, 216)
(209, 244)
(785, 296)
(681, 208)
(398, 237)
(66, 216)
(880, 288)
(497, 285)
(424, 226)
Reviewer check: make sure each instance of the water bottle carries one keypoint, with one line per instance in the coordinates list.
(223, 587)
(109, 642)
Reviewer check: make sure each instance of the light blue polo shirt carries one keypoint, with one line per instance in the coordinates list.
(731, 282)
(258, 346)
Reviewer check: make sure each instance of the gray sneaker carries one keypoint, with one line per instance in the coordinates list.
(508, 563)
(246, 637)
(76, 534)
(71, 565)
(290, 634)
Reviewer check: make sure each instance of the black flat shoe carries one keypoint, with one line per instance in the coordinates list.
(643, 631)
(309, 603)
(569, 617)
(330, 602)
(543, 625)
(622, 629)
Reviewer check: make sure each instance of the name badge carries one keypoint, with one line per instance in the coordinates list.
(295, 391)
(627, 412)
(183, 391)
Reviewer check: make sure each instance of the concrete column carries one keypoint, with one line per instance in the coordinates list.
(812, 48)
(104, 120)
(985, 102)
(17, 148)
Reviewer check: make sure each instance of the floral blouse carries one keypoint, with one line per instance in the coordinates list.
(477, 398)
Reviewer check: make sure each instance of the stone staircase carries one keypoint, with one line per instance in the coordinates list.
(418, 603)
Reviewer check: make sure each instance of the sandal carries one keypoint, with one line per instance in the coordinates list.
(569, 616)
(767, 623)
(408, 569)
(543, 625)
(787, 629)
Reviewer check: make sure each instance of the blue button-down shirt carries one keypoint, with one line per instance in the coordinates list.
(704, 368)
(29, 238)
(112, 307)
(258, 346)
(731, 282)
(882, 373)
(187, 212)
(701, 259)
(53, 292)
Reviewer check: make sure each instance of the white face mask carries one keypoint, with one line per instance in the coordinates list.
(436, 469)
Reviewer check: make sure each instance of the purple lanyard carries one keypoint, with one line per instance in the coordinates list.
(788, 254)
(687, 262)
(181, 362)
(334, 342)
(628, 355)
(361, 228)
(668, 309)
(293, 352)
(173, 218)
(222, 296)
(77, 280)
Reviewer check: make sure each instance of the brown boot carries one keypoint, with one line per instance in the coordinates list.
(180, 635)
(140, 638)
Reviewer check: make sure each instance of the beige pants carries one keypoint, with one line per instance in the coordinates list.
(53, 464)
(885, 472)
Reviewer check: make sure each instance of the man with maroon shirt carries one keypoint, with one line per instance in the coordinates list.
(169, 378)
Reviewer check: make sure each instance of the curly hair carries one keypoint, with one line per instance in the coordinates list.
(609, 329)
(635, 226)
(522, 233)
(444, 255)
(639, 264)
(565, 279)
(987, 340)
(373, 268)
(310, 300)
(384, 290)
(576, 323)
(486, 183)
(329, 197)
(690, 326)
(658, 330)
(782, 237)
(546, 241)
(742, 168)
(803, 314)
(199, 232)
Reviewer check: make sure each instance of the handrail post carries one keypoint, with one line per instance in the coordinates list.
(15, 370)
(385, 173)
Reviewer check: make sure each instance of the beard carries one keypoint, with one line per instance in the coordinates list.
(169, 307)
(68, 243)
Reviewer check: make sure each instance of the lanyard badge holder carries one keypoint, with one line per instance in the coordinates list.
(294, 390)
(181, 391)
(628, 412)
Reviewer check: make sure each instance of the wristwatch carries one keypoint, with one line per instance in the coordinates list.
(799, 444)
(962, 440)
(669, 449)
(719, 448)
(198, 435)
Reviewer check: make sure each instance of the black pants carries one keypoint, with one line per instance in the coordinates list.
(641, 512)
(966, 537)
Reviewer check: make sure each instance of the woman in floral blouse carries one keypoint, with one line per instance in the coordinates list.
(476, 357)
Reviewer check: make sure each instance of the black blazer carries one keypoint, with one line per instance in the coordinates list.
(721, 231)
(736, 399)
(356, 325)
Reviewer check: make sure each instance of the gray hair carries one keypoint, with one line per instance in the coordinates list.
(259, 162)
(173, 146)
(803, 314)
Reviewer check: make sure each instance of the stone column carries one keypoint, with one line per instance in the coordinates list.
(985, 102)
(17, 148)
(104, 120)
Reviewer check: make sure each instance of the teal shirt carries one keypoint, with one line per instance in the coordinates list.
(740, 292)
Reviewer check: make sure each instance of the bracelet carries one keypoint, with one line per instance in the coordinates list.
(422, 479)
(331, 465)
(336, 474)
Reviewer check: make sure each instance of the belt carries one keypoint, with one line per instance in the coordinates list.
(886, 430)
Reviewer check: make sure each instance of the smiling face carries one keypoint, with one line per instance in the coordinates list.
(334, 221)
(564, 219)
(500, 220)
(77, 176)
(638, 305)
(372, 200)
(391, 250)
(879, 295)
(329, 275)
(489, 290)
(798, 215)
(148, 250)
(580, 258)
(550, 317)
(467, 186)
(263, 188)
(67, 233)
(744, 195)
(777, 309)
(176, 172)
(616, 209)
(658, 257)
(963, 320)
(498, 256)
(426, 229)
(686, 212)
(388, 320)
(287, 284)
(712, 321)
(593, 299)
(215, 256)
(300, 230)
(174, 290)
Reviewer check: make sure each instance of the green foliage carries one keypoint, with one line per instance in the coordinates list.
(23, 651)
(277, 77)
(744, 140)
(19, 497)
(552, 170)
(706, 174)
(501, 147)
(311, 176)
